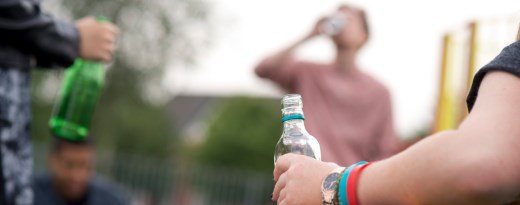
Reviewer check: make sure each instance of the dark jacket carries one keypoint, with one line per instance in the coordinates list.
(29, 37)
(99, 192)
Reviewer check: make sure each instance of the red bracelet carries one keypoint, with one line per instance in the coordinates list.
(352, 183)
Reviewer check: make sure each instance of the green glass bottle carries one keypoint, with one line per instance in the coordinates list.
(77, 100)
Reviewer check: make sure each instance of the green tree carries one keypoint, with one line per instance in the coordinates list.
(241, 137)
(243, 134)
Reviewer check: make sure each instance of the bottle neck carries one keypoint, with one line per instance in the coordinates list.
(292, 111)
(294, 126)
(293, 120)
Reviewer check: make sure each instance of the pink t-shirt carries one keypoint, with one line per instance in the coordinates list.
(350, 114)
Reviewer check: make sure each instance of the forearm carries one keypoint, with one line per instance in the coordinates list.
(280, 58)
(24, 26)
(56, 45)
(434, 171)
(285, 54)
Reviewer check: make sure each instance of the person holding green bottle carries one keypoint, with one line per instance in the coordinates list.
(30, 38)
(78, 98)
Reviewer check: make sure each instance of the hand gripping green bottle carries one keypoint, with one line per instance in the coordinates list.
(77, 100)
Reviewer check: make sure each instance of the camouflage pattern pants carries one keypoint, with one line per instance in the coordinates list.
(15, 143)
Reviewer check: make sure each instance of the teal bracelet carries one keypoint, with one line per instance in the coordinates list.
(343, 183)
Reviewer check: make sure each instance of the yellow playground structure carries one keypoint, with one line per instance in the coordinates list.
(465, 50)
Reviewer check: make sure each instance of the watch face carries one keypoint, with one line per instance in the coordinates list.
(331, 181)
(328, 189)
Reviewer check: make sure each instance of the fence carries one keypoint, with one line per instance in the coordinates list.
(165, 181)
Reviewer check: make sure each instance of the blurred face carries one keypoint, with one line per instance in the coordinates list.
(71, 168)
(353, 34)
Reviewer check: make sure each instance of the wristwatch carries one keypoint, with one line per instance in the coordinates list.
(329, 186)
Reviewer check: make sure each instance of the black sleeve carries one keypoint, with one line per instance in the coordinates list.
(23, 25)
(508, 61)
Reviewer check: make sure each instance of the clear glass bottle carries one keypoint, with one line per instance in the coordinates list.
(295, 138)
(334, 24)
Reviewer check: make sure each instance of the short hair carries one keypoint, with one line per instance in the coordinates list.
(59, 144)
(364, 17)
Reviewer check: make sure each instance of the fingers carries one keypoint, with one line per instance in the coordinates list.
(286, 200)
(109, 32)
(105, 56)
(292, 173)
(282, 164)
(280, 184)
(97, 39)
(110, 27)
(108, 39)
(109, 48)
(106, 51)
(283, 194)
(281, 200)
